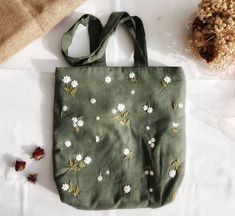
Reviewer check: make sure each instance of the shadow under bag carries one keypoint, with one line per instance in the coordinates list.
(119, 132)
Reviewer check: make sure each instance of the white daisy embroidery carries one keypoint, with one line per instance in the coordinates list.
(65, 187)
(97, 138)
(97, 118)
(67, 143)
(100, 178)
(78, 122)
(175, 125)
(114, 111)
(150, 110)
(66, 79)
(151, 142)
(181, 105)
(167, 79)
(126, 151)
(151, 173)
(150, 190)
(93, 100)
(172, 173)
(131, 75)
(146, 172)
(127, 189)
(121, 107)
(74, 83)
(87, 160)
(147, 108)
(107, 172)
(78, 157)
(147, 128)
(107, 79)
(64, 108)
(132, 92)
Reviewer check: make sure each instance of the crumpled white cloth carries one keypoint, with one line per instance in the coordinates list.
(26, 107)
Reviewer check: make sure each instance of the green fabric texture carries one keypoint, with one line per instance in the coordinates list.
(119, 132)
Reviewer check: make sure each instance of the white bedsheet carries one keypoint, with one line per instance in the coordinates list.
(26, 102)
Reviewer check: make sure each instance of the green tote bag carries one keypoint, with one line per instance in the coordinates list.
(119, 132)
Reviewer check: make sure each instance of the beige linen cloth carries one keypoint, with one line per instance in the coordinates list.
(22, 21)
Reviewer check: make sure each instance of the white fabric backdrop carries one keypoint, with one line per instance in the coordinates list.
(26, 95)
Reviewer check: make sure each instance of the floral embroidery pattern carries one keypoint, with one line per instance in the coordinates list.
(165, 82)
(147, 127)
(121, 115)
(151, 142)
(127, 154)
(107, 172)
(75, 191)
(175, 168)
(174, 128)
(127, 189)
(79, 163)
(147, 108)
(98, 139)
(70, 86)
(132, 92)
(149, 172)
(100, 178)
(175, 105)
(132, 77)
(93, 100)
(64, 109)
(77, 123)
(150, 190)
(67, 143)
(107, 79)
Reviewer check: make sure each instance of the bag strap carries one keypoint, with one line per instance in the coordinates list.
(134, 26)
(95, 28)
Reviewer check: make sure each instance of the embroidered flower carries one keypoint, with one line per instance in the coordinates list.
(121, 107)
(70, 87)
(65, 187)
(107, 172)
(147, 128)
(165, 82)
(97, 138)
(150, 190)
(151, 142)
(122, 116)
(114, 111)
(78, 157)
(70, 188)
(97, 118)
(66, 79)
(127, 189)
(87, 160)
(174, 128)
(146, 172)
(78, 122)
(100, 178)
(126, 151)
(147, 108)
(172, 173)
(74, 83)
(127, 154)
(181, 105)
(107, 79)
(64, 108)
(167, 79)
(151, 173)
(33, 178)
(131, 75)
(93, 100)
(132, 92)
(67, 143)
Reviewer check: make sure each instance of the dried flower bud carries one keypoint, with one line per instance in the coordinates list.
(213, 32)
(38, 153)
(20, 165)
(33, 178)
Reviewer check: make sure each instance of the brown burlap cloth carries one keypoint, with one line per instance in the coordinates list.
(22, 21)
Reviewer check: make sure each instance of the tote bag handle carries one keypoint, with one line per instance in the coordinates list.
(98, 45)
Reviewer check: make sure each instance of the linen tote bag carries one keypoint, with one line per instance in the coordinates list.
(119, 139)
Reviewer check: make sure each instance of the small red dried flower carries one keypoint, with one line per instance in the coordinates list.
(38, 153)
(20, 165)
(33, 178)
